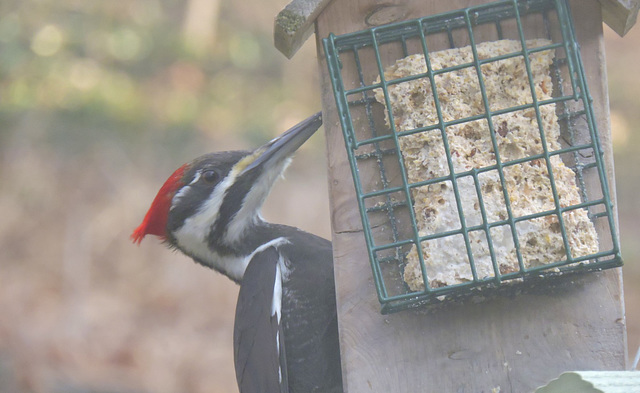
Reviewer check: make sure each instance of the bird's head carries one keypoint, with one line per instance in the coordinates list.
(207, 208)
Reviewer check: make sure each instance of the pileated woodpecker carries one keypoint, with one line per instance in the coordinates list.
(286, 333)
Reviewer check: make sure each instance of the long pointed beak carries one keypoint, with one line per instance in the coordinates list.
(283, 146)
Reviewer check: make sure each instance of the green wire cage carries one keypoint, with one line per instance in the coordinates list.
(474, 151)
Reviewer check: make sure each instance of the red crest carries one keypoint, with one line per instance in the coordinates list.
(155, 221)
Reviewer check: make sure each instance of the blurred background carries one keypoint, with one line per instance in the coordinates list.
(99, 102)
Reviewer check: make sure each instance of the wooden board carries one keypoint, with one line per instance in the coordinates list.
(620, 15)
(295, 23)
(510, 344)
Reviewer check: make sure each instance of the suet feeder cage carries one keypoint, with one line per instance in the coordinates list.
(457, 195)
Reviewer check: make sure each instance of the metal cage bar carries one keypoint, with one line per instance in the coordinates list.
(376, 144)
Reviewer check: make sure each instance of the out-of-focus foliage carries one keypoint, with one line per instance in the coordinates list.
(136, 66)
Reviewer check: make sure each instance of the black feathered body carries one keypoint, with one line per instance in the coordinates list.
(308, 314)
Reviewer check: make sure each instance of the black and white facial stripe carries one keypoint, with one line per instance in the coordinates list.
(210, 215)
(190, 199)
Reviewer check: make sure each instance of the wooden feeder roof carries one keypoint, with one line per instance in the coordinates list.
(295, 23)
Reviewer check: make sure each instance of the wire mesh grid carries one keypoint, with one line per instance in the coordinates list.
(416, 258)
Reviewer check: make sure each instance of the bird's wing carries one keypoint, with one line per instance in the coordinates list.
(257, 338)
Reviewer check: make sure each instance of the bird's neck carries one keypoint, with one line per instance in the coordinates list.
(231, 258)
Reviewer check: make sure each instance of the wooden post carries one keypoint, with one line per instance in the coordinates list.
(506, 344)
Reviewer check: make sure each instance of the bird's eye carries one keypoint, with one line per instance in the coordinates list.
(210, 176)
